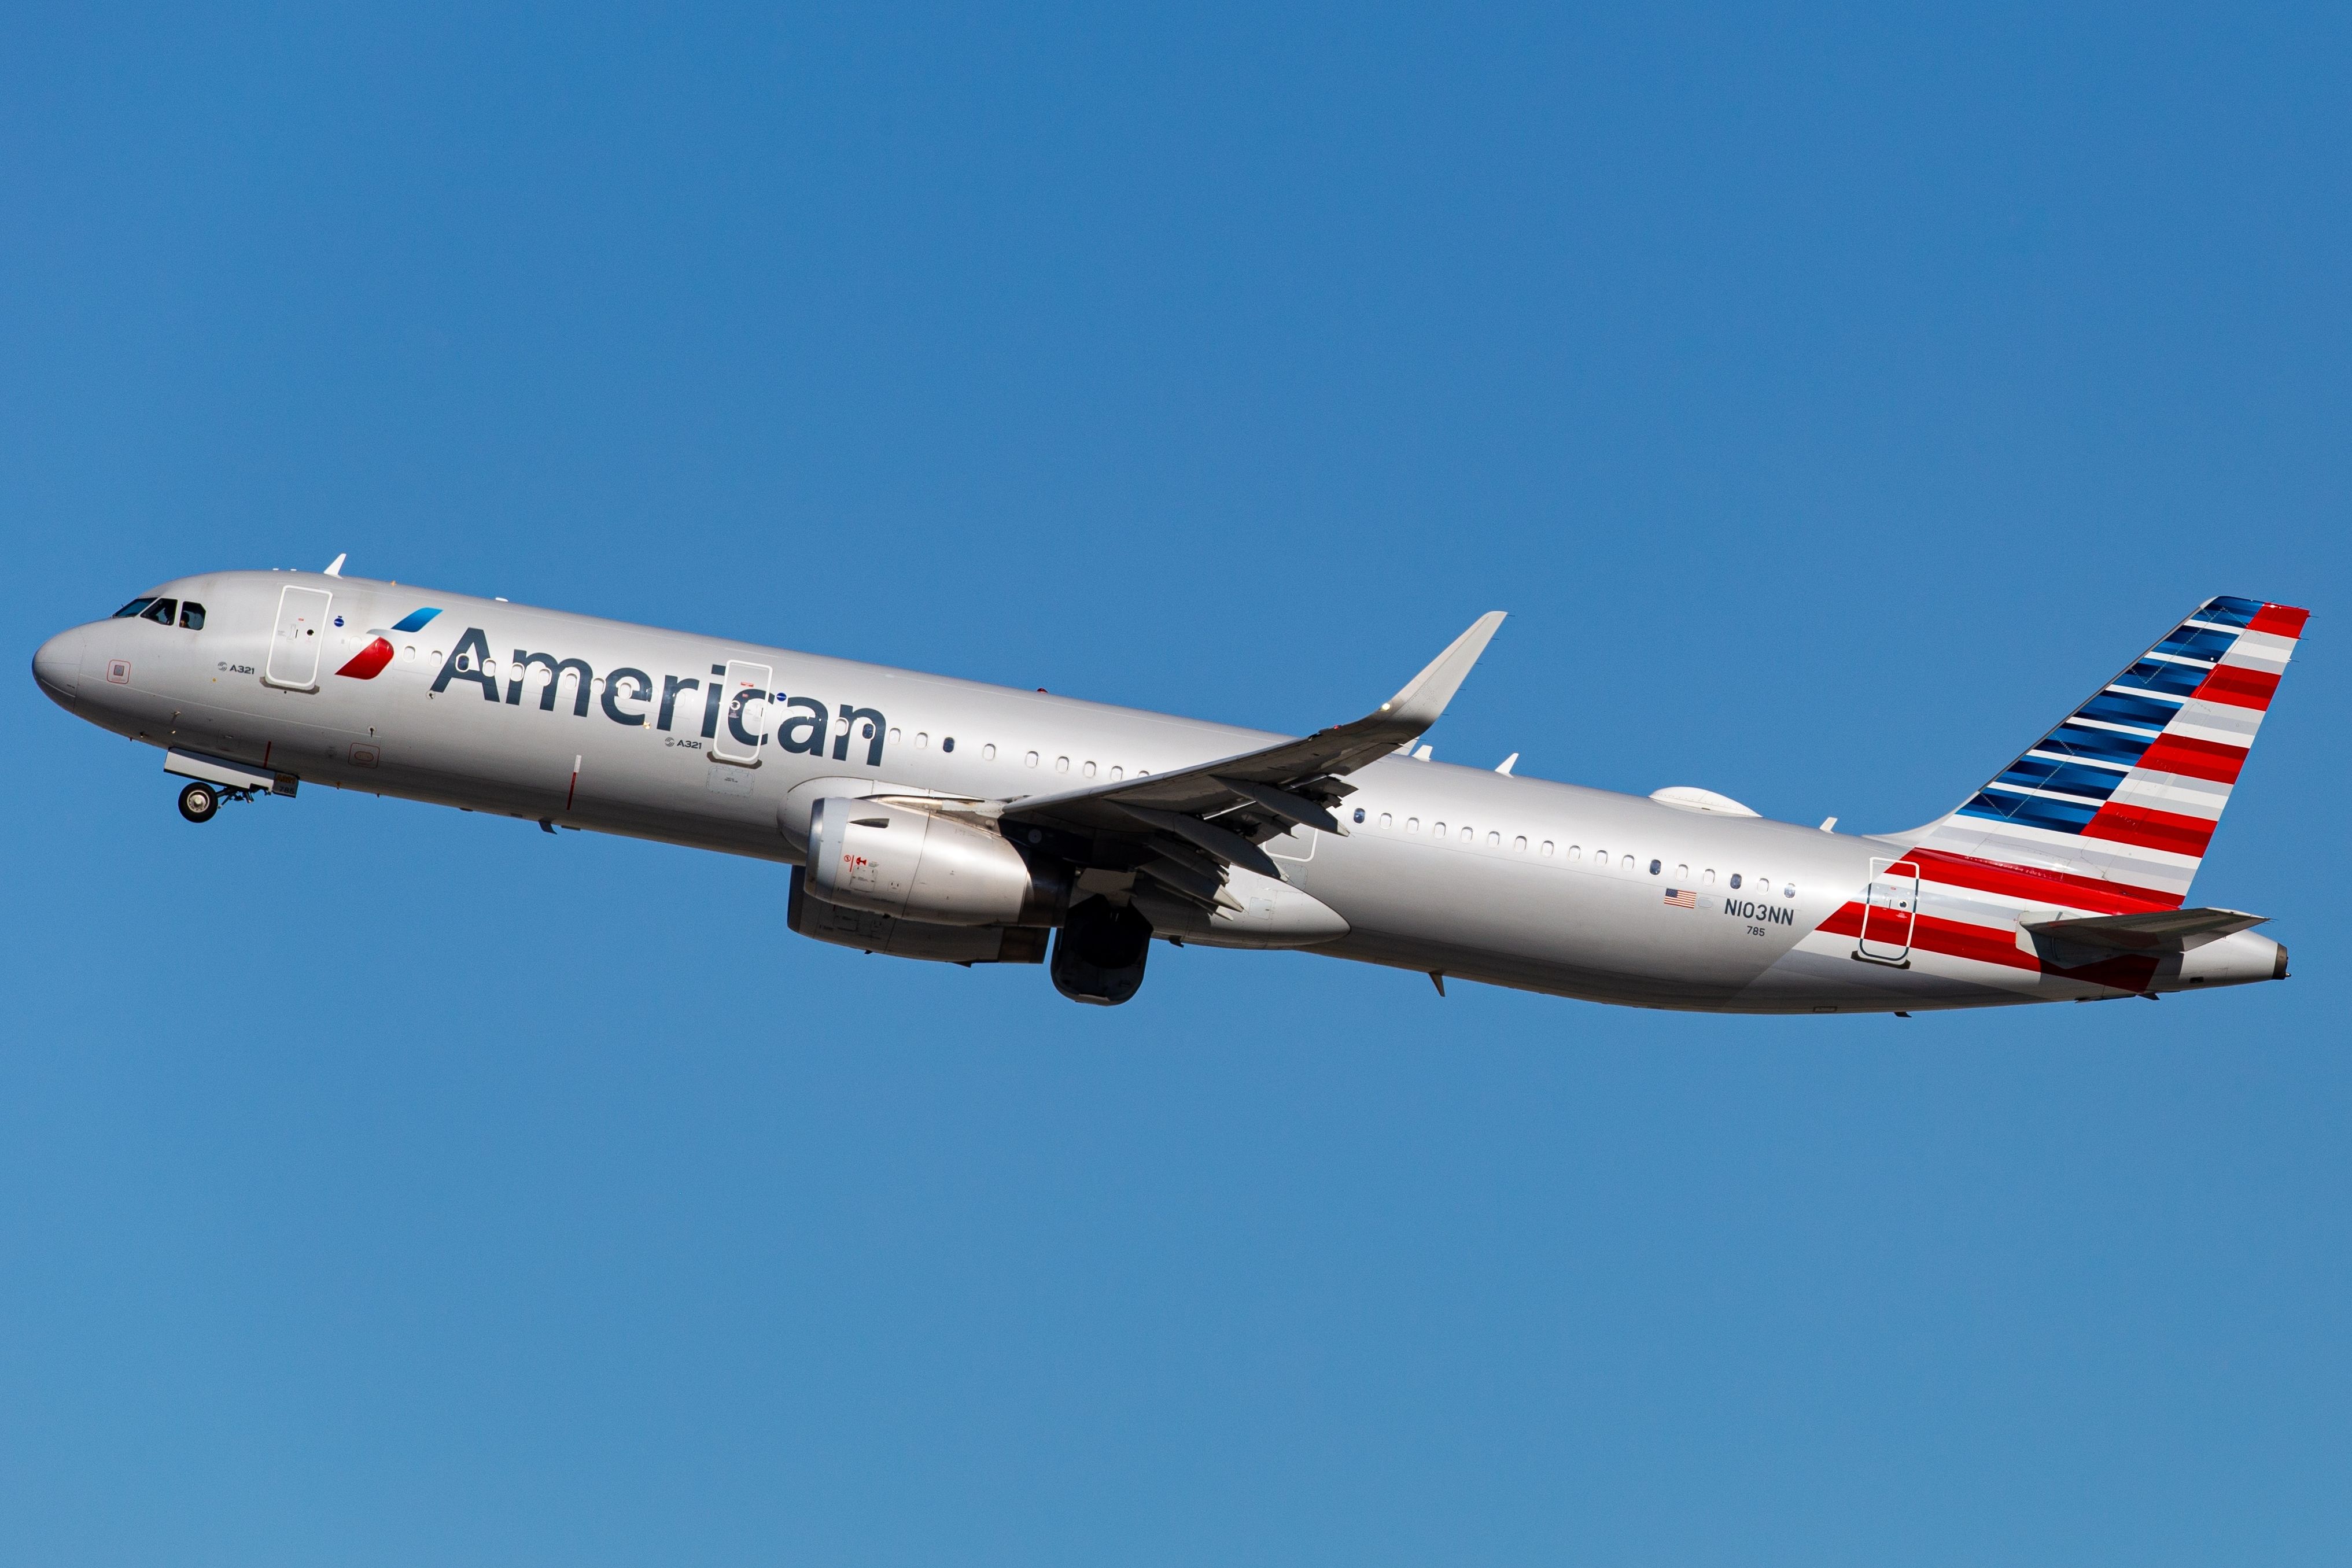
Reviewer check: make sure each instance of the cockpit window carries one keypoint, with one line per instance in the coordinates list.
(134, 608)
(192, 616)
(161, 611)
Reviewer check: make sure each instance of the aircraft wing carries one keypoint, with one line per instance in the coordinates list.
(1214, 814)
(2161, 931)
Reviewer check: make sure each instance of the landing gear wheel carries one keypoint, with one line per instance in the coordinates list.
(198, 802)
(1100, 953)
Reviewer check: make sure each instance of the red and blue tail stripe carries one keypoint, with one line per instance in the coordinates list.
(2111, 811)
(2127, 791)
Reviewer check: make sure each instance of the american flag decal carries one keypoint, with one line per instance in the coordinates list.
(1681, 898)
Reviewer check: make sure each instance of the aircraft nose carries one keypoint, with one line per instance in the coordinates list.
(58, 666)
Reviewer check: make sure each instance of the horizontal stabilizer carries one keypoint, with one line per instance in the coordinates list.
(2159, 931)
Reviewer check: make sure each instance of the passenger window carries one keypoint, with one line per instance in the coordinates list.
(1494, 841)
(1465, 835)
(1681, 873)
(1412, 824)
(192, 616)
(1387, 821)
(1437, 831)
(1706, 877)
(949, 744)
(1547, 848)
(1088, 770)
(1654, 868)
(1520, 844)
(922, 739)
(1790, 891)
(1627, 864)
(1061, 765)
(162, 611)
(1600, 859)
(1359, 814)
(1116, 773)
(1030, 761)
(1735, 882)
(134, 608)
(893, 735)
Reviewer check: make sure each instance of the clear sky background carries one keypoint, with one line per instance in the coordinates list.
(1833, 399)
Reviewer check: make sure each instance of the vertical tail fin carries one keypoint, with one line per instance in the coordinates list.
(2122, 798)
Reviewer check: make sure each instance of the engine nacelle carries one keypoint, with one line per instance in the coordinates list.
(871, 933)
(917, 865)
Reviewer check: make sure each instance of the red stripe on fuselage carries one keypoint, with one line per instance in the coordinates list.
(2150, 830)
(2057, 889)
(2197, 759)
(1957, 938)
(1995, 945)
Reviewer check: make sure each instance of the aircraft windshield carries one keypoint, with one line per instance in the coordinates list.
(134, 607)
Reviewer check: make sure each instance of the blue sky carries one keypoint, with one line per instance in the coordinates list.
(1834, 398)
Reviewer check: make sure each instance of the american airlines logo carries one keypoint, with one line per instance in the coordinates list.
(629, 699)
(368, 661)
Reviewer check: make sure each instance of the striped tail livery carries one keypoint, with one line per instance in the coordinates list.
(2074, 863)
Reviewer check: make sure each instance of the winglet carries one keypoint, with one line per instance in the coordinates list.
(1425, 695)
(335, 567)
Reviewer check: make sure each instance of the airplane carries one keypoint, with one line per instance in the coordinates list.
(941, 820)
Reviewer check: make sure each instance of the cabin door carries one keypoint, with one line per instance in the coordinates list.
(1890, 911)
(744, 707)
(296, 642)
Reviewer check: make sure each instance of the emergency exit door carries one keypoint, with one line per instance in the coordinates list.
(1890, 911)
(298, 638)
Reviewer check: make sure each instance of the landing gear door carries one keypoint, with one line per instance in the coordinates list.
(297, 640)
(744, 703)
(1889, 911)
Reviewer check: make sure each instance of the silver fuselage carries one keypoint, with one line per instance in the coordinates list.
(1541, 885)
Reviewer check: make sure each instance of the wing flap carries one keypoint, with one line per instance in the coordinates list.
(1225, 846)
(1284, 804)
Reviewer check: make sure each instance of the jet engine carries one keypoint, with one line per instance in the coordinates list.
(924, 867)
(870, 933)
